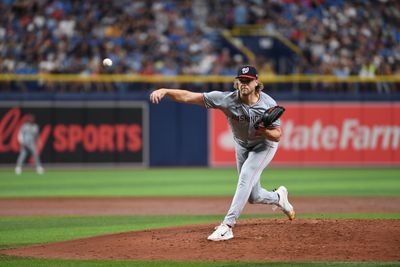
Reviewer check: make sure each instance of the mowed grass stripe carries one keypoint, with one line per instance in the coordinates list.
(198, 182)
(18, 262)
(22, 262)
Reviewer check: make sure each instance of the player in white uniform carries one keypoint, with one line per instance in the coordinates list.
(27, 136)
(255, 148)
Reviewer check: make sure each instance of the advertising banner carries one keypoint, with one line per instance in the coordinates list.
(79, 132)
(323, 133)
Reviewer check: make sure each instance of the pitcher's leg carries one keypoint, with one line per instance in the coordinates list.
(260, 195)
(241, 155)
(249, 175)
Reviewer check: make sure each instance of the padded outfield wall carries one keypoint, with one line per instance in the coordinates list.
(108, 132)
(324, 133)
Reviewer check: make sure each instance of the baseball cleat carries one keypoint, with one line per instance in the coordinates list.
(284, 204)
(18, 170)
(221, 233)
(39, 170)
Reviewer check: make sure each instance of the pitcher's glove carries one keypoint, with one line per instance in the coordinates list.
(270, 116)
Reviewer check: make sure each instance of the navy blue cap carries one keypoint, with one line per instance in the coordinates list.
(247, 72)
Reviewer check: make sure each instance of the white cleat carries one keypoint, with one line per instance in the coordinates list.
(18, 170)
(221, 233)
(39, 170)
(284, 204)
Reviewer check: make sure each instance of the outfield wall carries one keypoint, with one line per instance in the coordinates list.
(132, 131)
(79, 132)
(129, 132)
(323, 133)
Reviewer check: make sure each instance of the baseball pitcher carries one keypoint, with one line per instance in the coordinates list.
(27, 136)
(253, 117)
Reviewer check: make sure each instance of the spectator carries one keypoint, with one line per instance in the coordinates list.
(183, 37)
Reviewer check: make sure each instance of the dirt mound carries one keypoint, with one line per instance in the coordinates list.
(255, 240)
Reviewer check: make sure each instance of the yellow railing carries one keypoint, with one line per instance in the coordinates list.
(247, 52)
(193, 78)
(259, 30)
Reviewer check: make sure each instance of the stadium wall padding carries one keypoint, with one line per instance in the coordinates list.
(178, 135)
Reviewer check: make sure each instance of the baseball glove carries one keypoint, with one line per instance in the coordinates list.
(270, 116)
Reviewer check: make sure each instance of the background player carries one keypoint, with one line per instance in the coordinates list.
(27, 136)
(254, 148)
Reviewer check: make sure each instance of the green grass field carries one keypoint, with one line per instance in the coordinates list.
(197, 182)
(28, 230)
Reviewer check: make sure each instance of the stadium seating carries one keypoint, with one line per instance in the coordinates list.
(183, 37)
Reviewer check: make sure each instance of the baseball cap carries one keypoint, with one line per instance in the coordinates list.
(247, 72)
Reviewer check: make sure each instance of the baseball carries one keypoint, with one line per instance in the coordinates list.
(107, 62)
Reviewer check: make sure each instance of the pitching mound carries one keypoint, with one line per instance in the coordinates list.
(255, 240)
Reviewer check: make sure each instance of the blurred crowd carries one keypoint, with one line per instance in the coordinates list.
(341, 37)
(146, 37)
(173, 37)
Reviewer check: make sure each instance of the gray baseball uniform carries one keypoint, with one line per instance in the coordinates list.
(27, 136)
(253, 153)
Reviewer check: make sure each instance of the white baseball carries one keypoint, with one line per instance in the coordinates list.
(107, 62)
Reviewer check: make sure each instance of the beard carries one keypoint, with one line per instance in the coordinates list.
(245, 90)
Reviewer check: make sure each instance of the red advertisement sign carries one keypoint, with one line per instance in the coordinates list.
(323, 133)
(79, 132)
